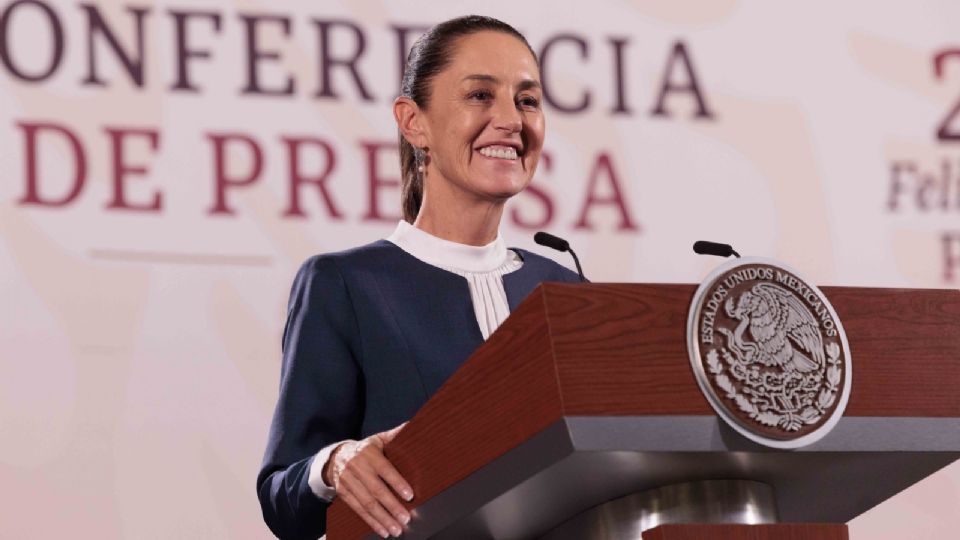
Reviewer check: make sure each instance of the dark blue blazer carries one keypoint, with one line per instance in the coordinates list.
(371, 334)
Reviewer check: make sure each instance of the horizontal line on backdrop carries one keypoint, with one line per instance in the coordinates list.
(164, 257)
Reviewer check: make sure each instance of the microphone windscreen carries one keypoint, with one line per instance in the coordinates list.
(703, 247)
(551, 241)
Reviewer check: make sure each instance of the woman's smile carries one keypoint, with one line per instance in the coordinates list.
(500, 152)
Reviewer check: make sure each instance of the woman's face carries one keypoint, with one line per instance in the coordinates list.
(484, 122)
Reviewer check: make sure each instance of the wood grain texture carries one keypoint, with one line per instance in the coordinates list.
(503, 394)
(784, 531)
(620, 350)
(905, 345)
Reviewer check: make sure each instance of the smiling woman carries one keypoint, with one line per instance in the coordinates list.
(476, 135)
(374, 331)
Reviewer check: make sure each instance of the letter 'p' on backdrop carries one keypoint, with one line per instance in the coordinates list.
(165, 167)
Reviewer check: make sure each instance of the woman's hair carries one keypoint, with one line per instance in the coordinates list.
(429, 55)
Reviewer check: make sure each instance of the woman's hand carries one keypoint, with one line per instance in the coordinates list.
(368, 482)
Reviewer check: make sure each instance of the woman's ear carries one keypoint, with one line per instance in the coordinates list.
(410, 121)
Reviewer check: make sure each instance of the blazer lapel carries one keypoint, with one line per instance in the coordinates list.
(520, 283)
(433, 309)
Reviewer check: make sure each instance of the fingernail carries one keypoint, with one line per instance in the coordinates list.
(407, 494)
(382, 533)
(405, 518)
(396, 531)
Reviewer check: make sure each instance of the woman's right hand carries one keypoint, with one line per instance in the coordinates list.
(366, 480)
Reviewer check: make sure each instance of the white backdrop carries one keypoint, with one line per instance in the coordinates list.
(140, 320)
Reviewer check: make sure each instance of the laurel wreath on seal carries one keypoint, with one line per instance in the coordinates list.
(789, 420)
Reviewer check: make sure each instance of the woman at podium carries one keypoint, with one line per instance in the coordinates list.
(374, 331)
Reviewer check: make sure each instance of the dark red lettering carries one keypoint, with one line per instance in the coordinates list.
(897, 184)
(951, 255)
(403, 43)
(378, 183)
(184, 53)
(56, 30)
(298, 178)
(546, 163)
(222, 179)
(620, 107)
(944, 133)
(31, 133)
(680, 56)
(327, 60)
(545, 55)
(604, 167)
(133, 64)
(255, 55)
(121, 169)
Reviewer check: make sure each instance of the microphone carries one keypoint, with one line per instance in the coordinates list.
(559, 244)
(703, 247)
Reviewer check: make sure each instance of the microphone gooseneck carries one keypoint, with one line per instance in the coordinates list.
(559, 244)
(704, 247)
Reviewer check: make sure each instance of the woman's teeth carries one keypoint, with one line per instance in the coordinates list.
(502, 152)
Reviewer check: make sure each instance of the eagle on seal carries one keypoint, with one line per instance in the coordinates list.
(784, 332)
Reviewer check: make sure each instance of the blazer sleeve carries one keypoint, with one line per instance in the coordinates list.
(320, 399)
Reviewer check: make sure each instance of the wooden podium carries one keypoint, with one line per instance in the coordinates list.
(586, 395)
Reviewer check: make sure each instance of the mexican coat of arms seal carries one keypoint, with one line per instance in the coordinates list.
(769, 353)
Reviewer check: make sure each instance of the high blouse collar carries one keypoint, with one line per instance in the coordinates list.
(446, 254)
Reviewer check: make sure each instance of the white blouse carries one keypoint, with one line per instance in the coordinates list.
(482, 266)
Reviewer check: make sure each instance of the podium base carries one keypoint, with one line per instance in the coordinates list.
(711, 501)
(784, 531)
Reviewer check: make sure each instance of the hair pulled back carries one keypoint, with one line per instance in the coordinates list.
(429, 55)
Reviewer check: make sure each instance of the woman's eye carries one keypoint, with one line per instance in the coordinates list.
(481, 95)
(529, 102)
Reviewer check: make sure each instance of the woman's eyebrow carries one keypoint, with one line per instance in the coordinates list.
(481, 77)
(524, 85)
(529, 83)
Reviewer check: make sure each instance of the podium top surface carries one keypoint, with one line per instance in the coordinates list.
(586, 394)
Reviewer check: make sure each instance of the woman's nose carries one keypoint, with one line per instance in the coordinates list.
(507, 117)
